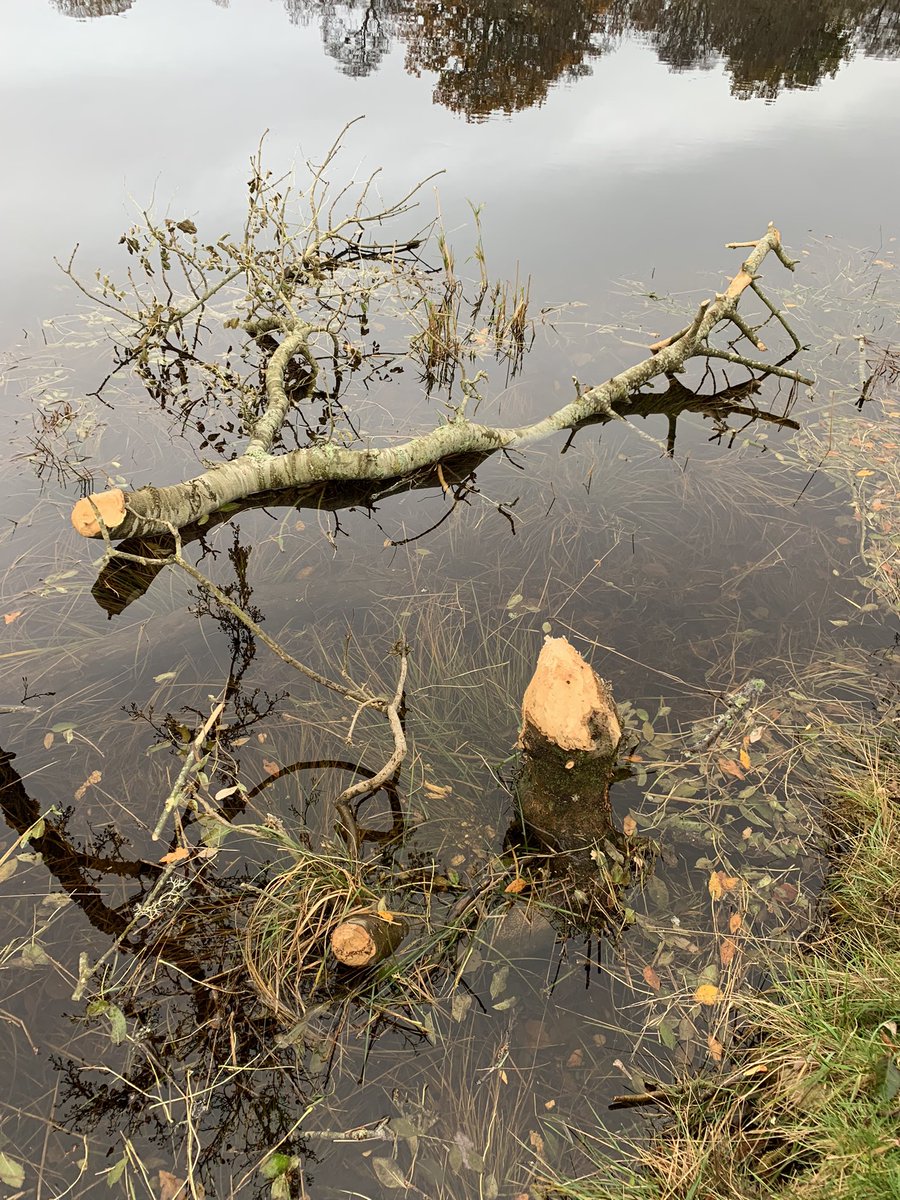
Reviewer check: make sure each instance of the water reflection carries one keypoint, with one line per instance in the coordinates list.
(505, 55)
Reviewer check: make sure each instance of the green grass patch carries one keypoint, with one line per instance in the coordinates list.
(807, 1104)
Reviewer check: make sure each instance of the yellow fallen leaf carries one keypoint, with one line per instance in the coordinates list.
(735, 921)
(707, 993)
(716, 1048)
(629, 826)
(745, 759)
(515, 886)
(727, 951)
(864, 473)
(384, 915)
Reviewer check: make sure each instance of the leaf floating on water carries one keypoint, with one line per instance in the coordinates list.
(515, 886)
(629, 826)
(651, 978)
(735, 921)
(514, 600)
(12, 1173)
(727, 951)
(175, 856)
(270, 767)
(864, 473)
(716, 1048)
(8, 869)
(720, 883)
(708, 994)
(745, 759)
(92, 779)
(48, 740)
(729, 767)
(11, 616)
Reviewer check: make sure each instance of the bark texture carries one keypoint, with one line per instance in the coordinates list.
(152, 510)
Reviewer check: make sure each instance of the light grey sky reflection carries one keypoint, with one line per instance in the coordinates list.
(628, 170)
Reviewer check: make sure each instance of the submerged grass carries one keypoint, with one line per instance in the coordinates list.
(808, 1104)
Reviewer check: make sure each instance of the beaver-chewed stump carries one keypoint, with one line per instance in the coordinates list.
(365, 938)
(569, 741)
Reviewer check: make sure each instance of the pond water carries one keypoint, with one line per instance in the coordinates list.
(614, 149)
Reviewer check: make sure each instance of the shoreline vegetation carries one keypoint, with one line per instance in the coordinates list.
(805, 1102)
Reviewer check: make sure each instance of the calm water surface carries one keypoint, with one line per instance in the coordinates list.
(615, 148)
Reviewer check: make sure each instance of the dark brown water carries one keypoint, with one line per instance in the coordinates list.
(615, 149)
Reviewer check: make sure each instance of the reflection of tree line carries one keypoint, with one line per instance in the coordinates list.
(503, 55)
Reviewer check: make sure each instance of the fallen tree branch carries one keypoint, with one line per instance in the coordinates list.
(152, 510)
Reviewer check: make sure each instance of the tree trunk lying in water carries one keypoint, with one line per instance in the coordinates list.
(151, 510)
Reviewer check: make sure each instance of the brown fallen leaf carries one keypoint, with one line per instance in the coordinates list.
(176, 856)
(727, 951)
(651, 978)
(575, 1059)
(11, 616)
(173, 1188)
(729, 767)
(629, 826)
(270, 767)
(735, 921)
(720, 883)
(48, 740)
(515, 886)
(785, 892)
(92, 779)
(716, 1049)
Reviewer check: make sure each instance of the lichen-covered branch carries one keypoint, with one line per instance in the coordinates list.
(152, 510)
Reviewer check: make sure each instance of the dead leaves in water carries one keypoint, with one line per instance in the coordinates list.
(708, 994)
(92, 780)
(720, 884)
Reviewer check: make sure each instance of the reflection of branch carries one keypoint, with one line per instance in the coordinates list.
(71, 867)
(357, 694)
